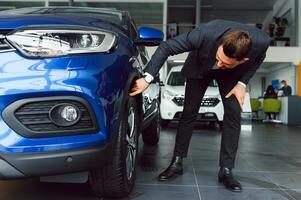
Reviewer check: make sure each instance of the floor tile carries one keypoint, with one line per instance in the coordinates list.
(248, 180)
(247, 194)
(286, 180)
(158, 192)
(295, 193)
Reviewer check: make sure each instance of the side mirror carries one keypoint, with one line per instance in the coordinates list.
(149, 36)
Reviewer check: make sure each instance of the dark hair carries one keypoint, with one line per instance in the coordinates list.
(270, 92)
(283, 81)
(236, 44)
(270, 89)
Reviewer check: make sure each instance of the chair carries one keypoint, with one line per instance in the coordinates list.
(255, 107)
(271, 107)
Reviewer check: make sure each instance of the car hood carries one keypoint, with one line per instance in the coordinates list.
(180, 90)
(15, 22)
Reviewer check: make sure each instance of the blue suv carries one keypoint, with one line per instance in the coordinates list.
(65, 75)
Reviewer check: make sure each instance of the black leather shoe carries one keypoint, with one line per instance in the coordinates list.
(225, 177)
(174, 169)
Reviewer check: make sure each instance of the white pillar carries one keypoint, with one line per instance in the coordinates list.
(298, 13)
(165, 6)
(71, 2)
(197, 13)
(163, 71)
(46, 3)
(298, 37)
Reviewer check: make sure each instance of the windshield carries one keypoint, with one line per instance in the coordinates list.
(110, 15)
(176, 79)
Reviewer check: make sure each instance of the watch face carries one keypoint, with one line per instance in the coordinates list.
(147, 79)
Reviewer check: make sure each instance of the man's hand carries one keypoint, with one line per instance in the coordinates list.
(239, 92)
(139, 86)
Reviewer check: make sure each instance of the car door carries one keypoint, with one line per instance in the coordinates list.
(151, 94)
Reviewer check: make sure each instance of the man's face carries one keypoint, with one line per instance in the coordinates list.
(283, 84)
(224, 62)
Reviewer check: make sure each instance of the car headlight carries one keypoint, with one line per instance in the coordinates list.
(52, 42)
(168, 94)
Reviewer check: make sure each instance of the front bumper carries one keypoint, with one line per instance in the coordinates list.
(99, 79)
(30, 117)
(13, 166)
(170, 111)
(57, 152)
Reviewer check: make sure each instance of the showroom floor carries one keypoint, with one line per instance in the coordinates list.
(268, 166)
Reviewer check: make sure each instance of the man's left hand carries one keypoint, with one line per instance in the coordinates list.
(239, 92)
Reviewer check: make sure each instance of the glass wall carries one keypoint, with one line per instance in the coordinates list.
(276, 17)
(144, 14)
(4, 5)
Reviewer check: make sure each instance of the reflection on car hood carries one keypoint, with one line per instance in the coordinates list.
(180, 90)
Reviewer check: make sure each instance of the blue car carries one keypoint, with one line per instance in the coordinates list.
(65, 76)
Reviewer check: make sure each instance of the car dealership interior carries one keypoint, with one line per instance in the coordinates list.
(70, 130)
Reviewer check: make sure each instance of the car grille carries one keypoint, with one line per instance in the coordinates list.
(3, 44)
(200, 116)
(34, 118)
(206, 102)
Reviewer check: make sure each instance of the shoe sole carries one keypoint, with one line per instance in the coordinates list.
(221, 182)
(172, 177)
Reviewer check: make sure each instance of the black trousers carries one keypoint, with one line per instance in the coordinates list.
(194, 92)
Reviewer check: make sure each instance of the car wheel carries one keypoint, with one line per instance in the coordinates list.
(151, 135)
(118, 177)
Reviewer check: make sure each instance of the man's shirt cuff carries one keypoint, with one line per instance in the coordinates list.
(148, 75)
(241, 83)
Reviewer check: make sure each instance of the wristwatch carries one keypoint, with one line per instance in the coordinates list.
(148, 78)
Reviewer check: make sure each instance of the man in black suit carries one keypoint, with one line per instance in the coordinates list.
(227, 51)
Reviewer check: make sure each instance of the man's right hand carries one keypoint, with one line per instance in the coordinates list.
(139, 86)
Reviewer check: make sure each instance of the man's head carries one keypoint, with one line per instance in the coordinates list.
(283, 83)
(233, 49)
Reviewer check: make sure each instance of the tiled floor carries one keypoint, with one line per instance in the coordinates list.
(268, 165)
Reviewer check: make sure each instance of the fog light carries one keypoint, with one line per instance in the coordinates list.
(64, 114)
(69, 113)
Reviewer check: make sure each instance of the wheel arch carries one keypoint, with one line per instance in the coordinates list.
(133, 75)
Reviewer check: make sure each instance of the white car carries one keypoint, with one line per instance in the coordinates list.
(172, 100)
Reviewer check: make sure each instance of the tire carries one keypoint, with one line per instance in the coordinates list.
(151, 135)
(164, 123)
(117, 179)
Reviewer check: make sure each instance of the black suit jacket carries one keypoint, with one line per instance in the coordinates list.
(202, 43)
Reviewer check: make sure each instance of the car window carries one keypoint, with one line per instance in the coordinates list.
(176, 79)
(102, 14)
(134, 34)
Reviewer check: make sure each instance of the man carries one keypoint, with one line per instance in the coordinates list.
(227, 51)
(286, 89)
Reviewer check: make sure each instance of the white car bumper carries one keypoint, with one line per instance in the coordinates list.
(171, 111)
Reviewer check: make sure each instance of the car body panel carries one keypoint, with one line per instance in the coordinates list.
(101, 79)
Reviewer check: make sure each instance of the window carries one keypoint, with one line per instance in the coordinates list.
(176, 79)
(102, 14)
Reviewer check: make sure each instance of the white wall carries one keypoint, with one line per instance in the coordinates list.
(254, 85)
